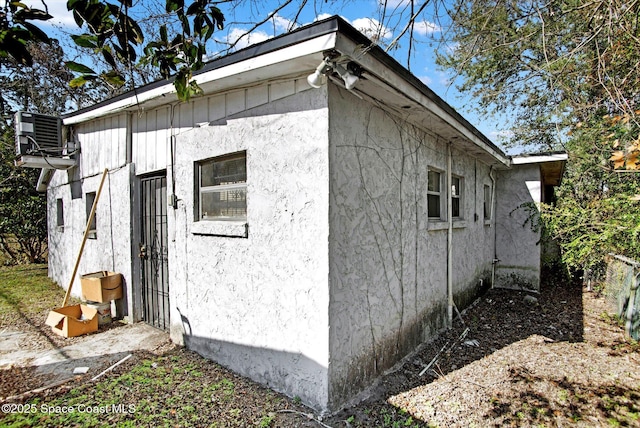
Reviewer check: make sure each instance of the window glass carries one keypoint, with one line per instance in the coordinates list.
(434, 195)
(487, 202)
(59, 212)
(223, 188)
(90, 198)
(456, 192)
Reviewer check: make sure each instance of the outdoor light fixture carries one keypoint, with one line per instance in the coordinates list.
(349, 78)
(318, 77)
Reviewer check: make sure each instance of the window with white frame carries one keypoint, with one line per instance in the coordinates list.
(456, 196)
(434, 195)
(487, 202)
(222, 188)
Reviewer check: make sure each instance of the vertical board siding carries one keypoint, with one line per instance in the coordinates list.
(150, 137)
(151, 131)
(103, 144)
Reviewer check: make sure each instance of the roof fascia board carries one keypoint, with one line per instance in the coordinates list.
(528, 159)
(388, 71)
(231, 68)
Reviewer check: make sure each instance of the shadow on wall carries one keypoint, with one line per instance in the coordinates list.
(290, 373)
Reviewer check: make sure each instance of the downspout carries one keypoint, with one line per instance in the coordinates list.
(495, 229)
(449, 239)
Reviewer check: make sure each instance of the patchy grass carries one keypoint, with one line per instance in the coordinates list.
(176, 389)
(26, 292)
(559, 362)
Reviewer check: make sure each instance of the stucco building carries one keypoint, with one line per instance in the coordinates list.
(308, 238)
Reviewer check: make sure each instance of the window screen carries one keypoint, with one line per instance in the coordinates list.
(223, 188)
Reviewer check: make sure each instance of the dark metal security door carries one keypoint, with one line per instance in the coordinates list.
(153, 252)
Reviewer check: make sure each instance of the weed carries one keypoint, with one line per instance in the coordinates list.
(563, 396)
(266, 420)
(613, 422)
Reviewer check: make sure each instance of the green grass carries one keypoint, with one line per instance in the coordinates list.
(26, 292)
(145, 394)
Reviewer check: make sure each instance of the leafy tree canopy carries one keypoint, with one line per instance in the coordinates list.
(566, 73)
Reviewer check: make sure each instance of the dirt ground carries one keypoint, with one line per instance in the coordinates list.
(561, 360)
(508, 361)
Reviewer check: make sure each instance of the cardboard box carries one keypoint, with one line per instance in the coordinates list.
(71, 321)
(101, 287)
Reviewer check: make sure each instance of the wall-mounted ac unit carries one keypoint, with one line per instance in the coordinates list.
(38, 134)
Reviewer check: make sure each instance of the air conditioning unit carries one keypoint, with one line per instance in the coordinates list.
(38, 134)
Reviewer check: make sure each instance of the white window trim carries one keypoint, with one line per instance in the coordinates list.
(237, 227)
(459, 197)
(441, 196)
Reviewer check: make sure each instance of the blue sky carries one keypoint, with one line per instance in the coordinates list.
(365, 15)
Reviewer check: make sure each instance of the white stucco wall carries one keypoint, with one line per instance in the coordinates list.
(341, 273)
(518, 250)
(388, 263)
(111, 248)
(259, 304)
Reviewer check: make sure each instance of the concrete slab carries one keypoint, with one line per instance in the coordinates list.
(97, 351)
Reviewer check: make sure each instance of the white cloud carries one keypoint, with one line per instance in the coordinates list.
(322, 16)
(236, 36)
(395, 3)
(283, 24)
(424, 28)
(57, 9)
(372, 28)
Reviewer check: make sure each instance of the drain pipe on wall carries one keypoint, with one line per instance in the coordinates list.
(495, 228)
(449, 238)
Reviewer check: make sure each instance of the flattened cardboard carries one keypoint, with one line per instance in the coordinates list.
(71, 321)
(101, 287)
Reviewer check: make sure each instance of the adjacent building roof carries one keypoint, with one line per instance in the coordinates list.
(552, 165)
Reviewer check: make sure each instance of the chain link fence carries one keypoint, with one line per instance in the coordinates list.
(622, 291)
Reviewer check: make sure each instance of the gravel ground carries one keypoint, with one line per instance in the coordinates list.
(508, 361)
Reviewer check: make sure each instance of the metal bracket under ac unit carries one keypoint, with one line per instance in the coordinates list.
(50, 162)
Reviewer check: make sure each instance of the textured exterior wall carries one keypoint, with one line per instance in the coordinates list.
(111, 249)
(259, 304)
(518, 250)
(388, 263)
(340, 274)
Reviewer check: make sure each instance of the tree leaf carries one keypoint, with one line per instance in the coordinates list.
(114, 78)
(218, 17)
(163, 34)
(16, 49)
(36, 32)
(81, 80)
(85, 40)
(31, 14)
(174, 5)
(79, 68)
(78, 18)
(186, 26)
(108, 57)
(618, 159)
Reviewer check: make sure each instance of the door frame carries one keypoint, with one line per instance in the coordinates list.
(136, 235)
